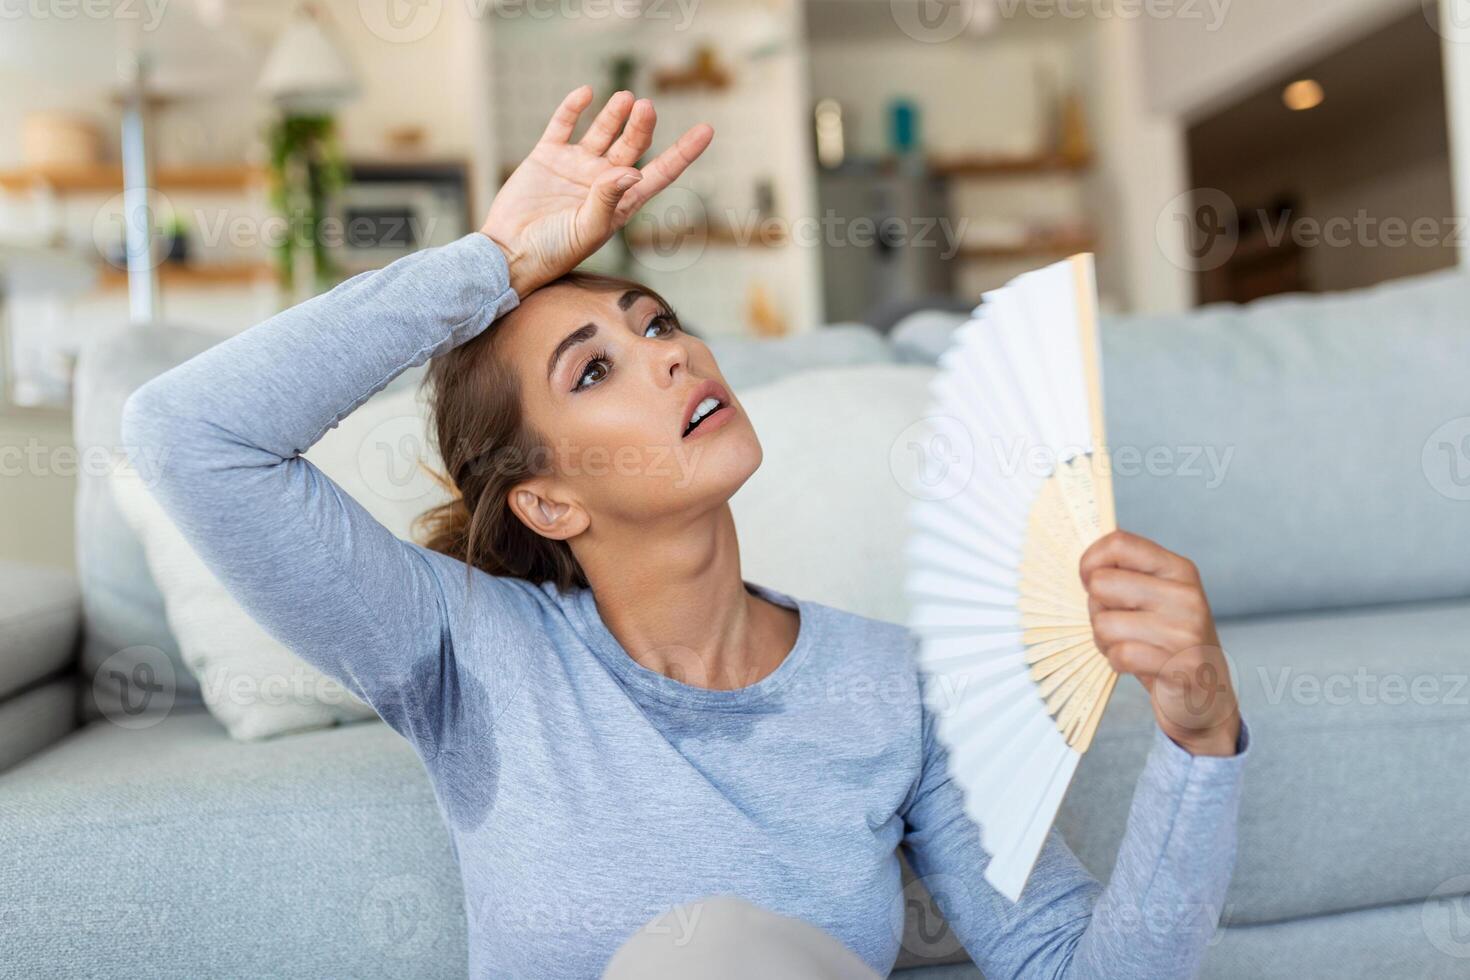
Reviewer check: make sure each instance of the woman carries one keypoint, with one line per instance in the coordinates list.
(615, 723)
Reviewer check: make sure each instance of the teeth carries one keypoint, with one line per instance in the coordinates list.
(703, 409)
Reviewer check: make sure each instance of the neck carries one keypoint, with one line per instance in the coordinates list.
(674, 598)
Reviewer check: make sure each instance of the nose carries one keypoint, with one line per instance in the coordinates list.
(670, 360)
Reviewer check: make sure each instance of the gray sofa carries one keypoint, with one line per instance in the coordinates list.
(1311, 453)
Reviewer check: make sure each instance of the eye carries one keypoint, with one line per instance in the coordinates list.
(596, 368)
(662, 324)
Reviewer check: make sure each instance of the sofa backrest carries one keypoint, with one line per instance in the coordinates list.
(1307, 451)
(122, 608)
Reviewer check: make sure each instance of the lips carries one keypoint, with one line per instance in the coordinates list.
(711, 420)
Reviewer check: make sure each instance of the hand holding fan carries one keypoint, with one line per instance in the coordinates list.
(995, 595)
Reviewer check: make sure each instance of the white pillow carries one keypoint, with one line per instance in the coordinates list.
(824, 516)
(251, 683)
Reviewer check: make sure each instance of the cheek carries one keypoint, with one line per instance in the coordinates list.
(607, 443)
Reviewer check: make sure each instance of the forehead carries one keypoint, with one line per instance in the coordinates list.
(547, 315)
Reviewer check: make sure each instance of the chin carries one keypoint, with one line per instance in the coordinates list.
(720, 467)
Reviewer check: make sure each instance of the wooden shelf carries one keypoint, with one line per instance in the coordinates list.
(1036, 246)
(108, 177)
(197, 276)
(709, 80)
(994, 166)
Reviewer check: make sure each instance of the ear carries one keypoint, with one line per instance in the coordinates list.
(542, 509)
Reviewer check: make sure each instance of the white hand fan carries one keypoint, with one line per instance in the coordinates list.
(993, 552)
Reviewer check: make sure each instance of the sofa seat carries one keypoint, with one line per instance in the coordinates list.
(317, 855)
(216, 849)
(314, 855)
(1351, 773)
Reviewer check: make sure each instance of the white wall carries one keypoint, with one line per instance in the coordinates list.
(430, 76)
(1193, 64)
(1142, 168)
(760, 133)
(1455, 28)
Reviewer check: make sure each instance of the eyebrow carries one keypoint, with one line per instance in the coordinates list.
(587, 331)
(581, 335)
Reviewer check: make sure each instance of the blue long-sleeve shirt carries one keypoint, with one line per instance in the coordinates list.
(584, 793)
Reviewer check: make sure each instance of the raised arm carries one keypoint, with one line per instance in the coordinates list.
(303, 558)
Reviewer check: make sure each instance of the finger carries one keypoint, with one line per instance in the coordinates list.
(1142, 660)
(637, 136)
(1123, 550)
(606, 125)
(1113, 626)
(595, 217)
(1122, 588)
(564, 119)
(667, 166)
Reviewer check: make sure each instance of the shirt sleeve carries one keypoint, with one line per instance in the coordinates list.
(1160, 908)
(224, 434)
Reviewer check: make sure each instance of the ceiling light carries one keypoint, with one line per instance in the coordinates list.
(1304, 94)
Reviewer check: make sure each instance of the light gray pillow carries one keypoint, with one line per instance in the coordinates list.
(251, 683)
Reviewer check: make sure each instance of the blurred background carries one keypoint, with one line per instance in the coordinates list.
(204, 163)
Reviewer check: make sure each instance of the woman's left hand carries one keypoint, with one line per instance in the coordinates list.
(1151, 619)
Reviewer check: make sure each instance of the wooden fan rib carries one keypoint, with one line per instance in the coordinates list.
(1076, 700)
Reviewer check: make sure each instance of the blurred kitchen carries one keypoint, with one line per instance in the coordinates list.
(873, 159)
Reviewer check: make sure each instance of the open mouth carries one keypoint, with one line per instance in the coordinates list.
(703, 411)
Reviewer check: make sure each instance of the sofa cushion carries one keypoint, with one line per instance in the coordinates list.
(125, 622)
(36, 718)
(1309, 451)
(747, 362)
(122, 607)
(1354, 797)
(321, 854)
(254, 685)
(823, 516)
(40, 616)
(249, 680)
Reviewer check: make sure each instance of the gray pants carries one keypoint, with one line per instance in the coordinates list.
(724, 938)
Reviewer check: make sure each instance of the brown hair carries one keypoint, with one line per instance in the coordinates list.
(488, 448)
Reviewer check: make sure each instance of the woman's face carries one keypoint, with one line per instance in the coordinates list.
(612, 384)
